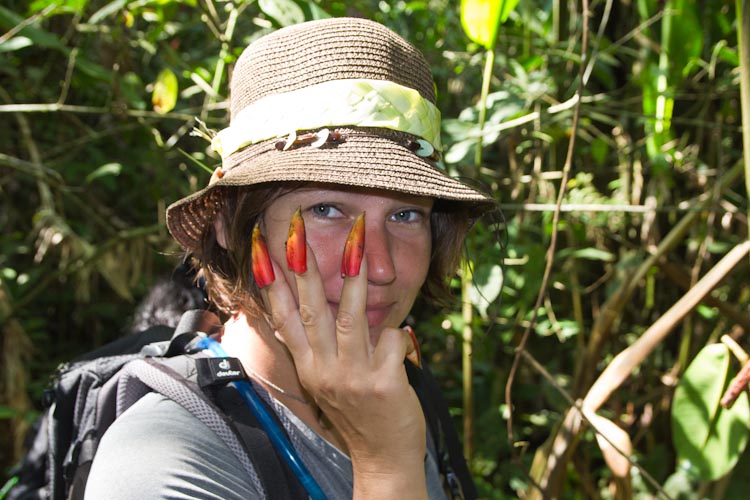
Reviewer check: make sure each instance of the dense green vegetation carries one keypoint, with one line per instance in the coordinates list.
(626, 112)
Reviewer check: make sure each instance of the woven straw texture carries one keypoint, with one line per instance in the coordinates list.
(310, 53)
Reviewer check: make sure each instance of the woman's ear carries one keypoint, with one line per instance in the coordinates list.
(221, 231)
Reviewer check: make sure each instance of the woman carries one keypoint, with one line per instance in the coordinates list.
(326, 220)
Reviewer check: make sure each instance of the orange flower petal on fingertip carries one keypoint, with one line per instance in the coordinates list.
(261, 260)
(416, 355)
(296, 247)
(354, 250)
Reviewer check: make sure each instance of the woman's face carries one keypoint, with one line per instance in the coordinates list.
(397, 244)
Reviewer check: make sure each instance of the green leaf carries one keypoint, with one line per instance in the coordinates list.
(284, 12)
(594, 254)
(8, 485)
(104, 170)
(40, 37)
(729, 55)
(685, 37)
(599, 150)
(106, 11)
(164, 97)
(45, 39)
(482, 18)
(75, 6)
(7, 412)
(15, 43)
(739, 484)
(488, 283)
(707, 436)
(589, 253)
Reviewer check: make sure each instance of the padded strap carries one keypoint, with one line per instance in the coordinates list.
(271, 467)
(451, 459)
(192, 324)
(158, 377)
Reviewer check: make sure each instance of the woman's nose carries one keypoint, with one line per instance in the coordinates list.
(380, 266)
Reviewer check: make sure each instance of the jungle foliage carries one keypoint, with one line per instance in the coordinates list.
(610, 132)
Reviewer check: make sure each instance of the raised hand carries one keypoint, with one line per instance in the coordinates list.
(360, 386)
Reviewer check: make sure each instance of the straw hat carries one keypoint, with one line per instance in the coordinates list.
(343, 101)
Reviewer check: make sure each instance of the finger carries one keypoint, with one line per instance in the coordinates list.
(352, 332)
(277, 297)
(285, 319)
(393, 346)
(314, 311)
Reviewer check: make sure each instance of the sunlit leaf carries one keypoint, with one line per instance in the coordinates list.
(107, 10)
(707, 436)
(729, 55)
(481, 19)
(594, 254)
(164, 97)
(40, 37)
(15, 43)
(614, 442)
(284, 12)
(60, 5)
(104, 170)
(488, 283)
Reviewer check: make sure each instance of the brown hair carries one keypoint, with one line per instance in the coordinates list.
(228, 274)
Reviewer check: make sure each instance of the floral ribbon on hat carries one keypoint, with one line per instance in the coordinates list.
(335, 103)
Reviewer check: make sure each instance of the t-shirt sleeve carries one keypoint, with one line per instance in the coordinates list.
(158, 450)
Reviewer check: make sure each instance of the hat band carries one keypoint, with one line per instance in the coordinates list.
(335, 103)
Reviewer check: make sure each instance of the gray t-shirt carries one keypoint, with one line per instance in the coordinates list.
(158, 450)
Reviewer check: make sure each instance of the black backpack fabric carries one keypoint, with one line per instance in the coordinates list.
(87, 395)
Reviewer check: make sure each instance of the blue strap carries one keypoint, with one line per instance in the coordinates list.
(275, 434)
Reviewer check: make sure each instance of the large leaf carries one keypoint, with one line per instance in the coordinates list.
(707, 436)
(482, 18)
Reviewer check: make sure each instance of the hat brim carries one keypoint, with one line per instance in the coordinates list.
(367, 160)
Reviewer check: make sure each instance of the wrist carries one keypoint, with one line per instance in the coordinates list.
(391, 481)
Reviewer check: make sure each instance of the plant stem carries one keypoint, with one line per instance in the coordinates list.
(221, 63)
(623, 364)
(467, 313)
(489, 63)
(743, 41)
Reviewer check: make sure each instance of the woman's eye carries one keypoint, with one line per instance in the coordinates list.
(407, 216)
(324, 210)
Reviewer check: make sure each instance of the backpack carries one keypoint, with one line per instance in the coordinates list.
(88, 394)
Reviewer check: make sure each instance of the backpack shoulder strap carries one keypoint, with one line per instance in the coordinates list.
(245, 439)
(451, 461)
(192, 323)
(271, 466)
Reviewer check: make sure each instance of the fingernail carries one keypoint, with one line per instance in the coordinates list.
(416, 355)
(262, 267)
(296, 250)
(354, 249)
(279, 337)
